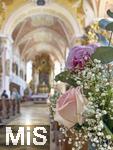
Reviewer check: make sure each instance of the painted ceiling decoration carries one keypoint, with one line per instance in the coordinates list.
(37, 29)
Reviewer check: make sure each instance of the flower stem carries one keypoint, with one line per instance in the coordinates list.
(110, 38)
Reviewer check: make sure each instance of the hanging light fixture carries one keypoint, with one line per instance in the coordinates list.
(41, 2)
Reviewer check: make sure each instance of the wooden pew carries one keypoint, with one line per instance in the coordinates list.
(61, 141)
(1, 108)
(18, 107)
(7, 110)
(15, 107)
(13, 103)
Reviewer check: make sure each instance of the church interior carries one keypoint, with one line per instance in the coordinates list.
(36, 37)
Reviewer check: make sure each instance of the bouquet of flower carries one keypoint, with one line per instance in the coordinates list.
(53, 99)
(87, 68)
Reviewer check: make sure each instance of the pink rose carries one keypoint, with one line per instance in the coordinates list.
(70, 107)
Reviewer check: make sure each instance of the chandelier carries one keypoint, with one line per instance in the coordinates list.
(39, 2)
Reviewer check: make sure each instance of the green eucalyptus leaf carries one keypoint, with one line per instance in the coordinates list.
(104, 53)
(109, 13)
(103, 23)
(108, 132)
(109, 27)
(62, 76)
(66, 77)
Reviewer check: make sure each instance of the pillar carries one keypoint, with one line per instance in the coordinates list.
(5, 68)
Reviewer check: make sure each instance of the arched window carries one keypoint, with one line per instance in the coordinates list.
(21, 74)
(15, 68)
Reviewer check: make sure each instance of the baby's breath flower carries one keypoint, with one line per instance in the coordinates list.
(108, 137)
(78, 82)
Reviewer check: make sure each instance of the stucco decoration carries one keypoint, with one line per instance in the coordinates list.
(7, 67)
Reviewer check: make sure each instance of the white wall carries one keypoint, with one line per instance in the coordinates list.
(29, 71)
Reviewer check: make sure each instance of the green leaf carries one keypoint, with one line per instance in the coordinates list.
(104, 53)
(66, 77)
(108, 132)
(103, 23)
(109, 27)
(62, 76)
(109, 13)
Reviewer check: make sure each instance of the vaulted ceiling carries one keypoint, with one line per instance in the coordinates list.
(44, 33)
(39, 34)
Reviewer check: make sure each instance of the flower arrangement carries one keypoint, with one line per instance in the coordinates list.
(53, 100)
(87, 68)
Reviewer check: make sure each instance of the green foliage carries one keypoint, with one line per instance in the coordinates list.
(104, 53)
(109, 27)
(66, 77)
(109, 13)
(96, 85)
(103, 23)
(108, 131)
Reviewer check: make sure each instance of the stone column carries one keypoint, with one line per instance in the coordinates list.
(52, 76)
(5, 68)
(37, 81)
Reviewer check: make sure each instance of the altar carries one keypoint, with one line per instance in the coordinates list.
(40, 97)
(41, 74)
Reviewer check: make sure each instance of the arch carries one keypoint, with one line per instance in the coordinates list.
(52, 9)
(39, 33)
(44, 47)
(44, 43)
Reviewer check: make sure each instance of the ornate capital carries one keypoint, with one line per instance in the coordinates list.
(5, 40)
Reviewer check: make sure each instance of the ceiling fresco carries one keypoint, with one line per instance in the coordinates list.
(40, 33)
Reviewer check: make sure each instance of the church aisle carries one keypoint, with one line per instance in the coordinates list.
(32, 114)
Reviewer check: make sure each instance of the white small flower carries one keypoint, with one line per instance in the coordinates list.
(99, 133)
(105, 145)
(95, 128)
(107, 83)
(97, 61)
(105, 80)
(110, 70)
(89, 93)
(98, 66)
(97, 89)
(108, 137)
(104, 112)
(103, 94)
(93, 144)
(78, 82)
(111, 102)
(84, 73)
(99, 73)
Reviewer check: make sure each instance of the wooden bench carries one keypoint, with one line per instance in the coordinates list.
(1, 108)
(61, 141)
(9, 107)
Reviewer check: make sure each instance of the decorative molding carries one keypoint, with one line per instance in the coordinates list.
(52, 9)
